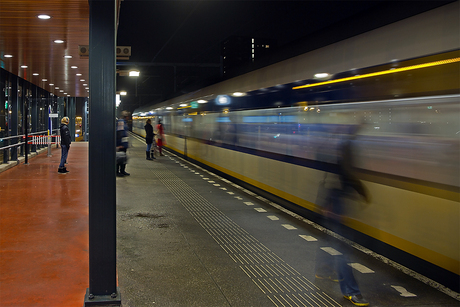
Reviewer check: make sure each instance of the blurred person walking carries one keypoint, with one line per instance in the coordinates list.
(149, 139)
(332, 199)
(65, 144)
(160, 137)
(122, 144)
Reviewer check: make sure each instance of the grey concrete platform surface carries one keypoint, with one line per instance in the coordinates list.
(189, 238)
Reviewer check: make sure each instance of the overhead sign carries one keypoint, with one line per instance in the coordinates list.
(123, 52)
(53, 115)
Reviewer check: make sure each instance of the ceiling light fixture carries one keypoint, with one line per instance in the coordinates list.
(59, 41)
(8, 56)
(35, 74)
(67, 56)
(44, 16)
(24, 66)
(74, 67)
(321, 75)
(78, 74)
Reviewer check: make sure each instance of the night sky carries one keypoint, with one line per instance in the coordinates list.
(191, 32)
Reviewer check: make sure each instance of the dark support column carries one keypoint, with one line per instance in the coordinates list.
(61, 111)
(61, 108)
(26, 129)
(71, 113)
(85, 126)
(102, 182)
(34, 102)
(14, 116)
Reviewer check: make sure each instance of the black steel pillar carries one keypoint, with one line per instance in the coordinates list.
(85, 126)
(102, 182)
(61, 108)
(26, 129)
(14, 123)
(34, 102)
(71, 108)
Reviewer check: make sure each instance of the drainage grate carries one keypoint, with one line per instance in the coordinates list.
(282, 284)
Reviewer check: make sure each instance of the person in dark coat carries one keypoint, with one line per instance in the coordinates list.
(334, 204)
(65, 144)
(122, 143)
(149, 139)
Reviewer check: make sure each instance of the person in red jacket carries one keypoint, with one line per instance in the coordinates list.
(160, 137)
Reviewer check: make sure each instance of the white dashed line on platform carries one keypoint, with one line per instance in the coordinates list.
(273, 217)
(248, 203)
(308, 238)
(403, 291)
(289, 227)
(261, 210)
(331, 251)
(361, 268)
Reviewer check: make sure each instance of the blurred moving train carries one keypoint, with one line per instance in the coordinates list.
(277, 130)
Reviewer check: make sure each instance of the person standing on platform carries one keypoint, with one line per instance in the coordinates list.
(122, 144)
(149, 139)
(333, 201)
(160, 137)
(65, 144)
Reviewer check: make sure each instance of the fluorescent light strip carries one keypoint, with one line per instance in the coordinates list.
(380, 73)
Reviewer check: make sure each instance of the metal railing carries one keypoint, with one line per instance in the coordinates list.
(13, 147)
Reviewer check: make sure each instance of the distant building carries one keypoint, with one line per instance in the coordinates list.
(239, 50)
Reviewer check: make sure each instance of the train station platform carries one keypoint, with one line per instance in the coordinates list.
(185, 237)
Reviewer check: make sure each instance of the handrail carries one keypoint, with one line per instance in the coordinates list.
(40, 132)
(22, 135)
(12, 137)
(14, 145)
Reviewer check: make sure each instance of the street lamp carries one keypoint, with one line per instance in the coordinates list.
(134, 73)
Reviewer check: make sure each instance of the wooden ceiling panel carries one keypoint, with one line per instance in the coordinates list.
(30, 41)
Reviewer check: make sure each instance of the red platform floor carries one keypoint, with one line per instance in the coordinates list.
(44, 231)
